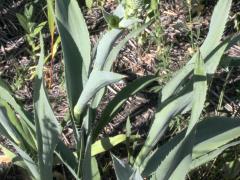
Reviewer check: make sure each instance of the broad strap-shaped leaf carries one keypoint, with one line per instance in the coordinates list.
(211, 134)
(104, 47)
(7, 127)
(161, 122)
(122, 170)
(47, 126)
(87, 168)
(70, 16)
(30, 164)
(181, 102)
(114, 106)
(115, 51)
(67, 158)
(217, 26)
(7, 96)
(51, 18)
(119, 12)
(227, 61)
(112, 55)
(199, 92)
(107, 41)
(96, 81)
(177, 162)
(211, 155)
(136, 175)
(76, 47)
(107, 143)
(13, 128)
(95, 170)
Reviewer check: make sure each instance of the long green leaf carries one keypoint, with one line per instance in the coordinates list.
(6, 124)
(47, 126)
(30, 164)
(107, 143)
(9, 98)
(104, 47)
(97, 80)
(123, 171)
(162, 118)
(87, 169)
(211, 155)
(181, 102)
(217, 26)
(115, 51)
(76, 47)
(112, 55)
(211, 134)
(95, 170)
(177, 162)
(67, 157)
(51, 18)
(11, 125)
(114, 106)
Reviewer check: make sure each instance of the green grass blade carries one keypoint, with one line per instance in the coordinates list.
(47, 126)
(114, 106)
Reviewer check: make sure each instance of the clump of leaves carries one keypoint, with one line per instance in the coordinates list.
(36, 139)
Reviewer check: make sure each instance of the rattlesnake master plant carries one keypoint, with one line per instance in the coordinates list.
(87, 72)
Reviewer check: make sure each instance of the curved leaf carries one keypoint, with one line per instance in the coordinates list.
(114, 106)
(47, 126)
(97, 80)
(217, 26)
(76, 47)
(211, 134)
